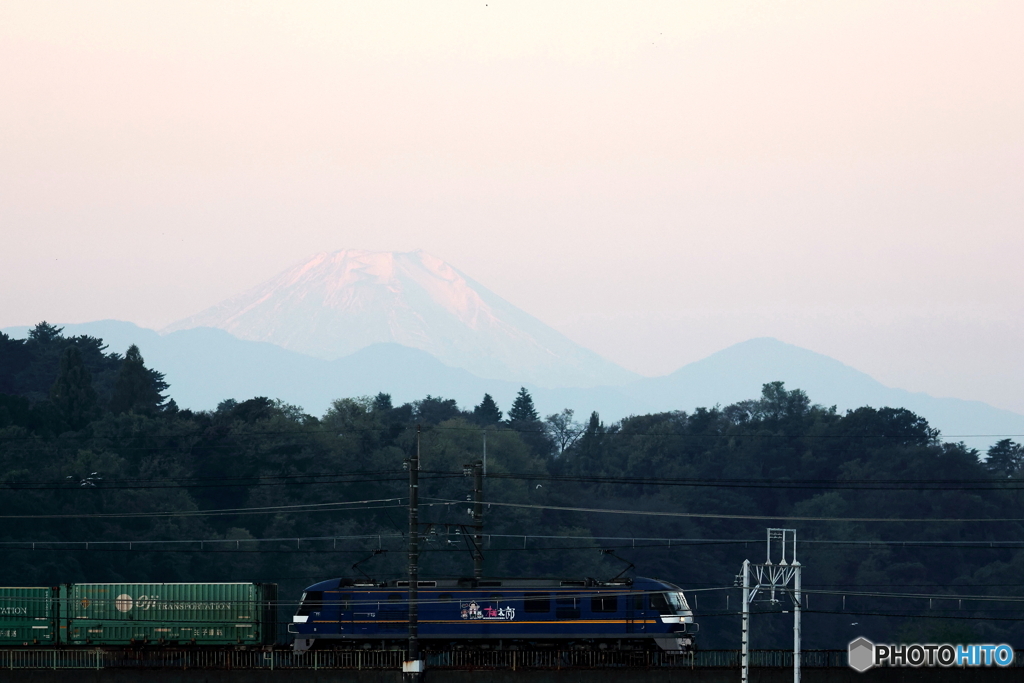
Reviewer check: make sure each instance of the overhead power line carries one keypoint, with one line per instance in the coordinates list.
(646, 542)
(228, 482)
(708, 515)
(226, 477)
(378, 476)
(905, 615)
(195, 541)
(898, 615)
(921, 596)
(270, 509)
(856, 484)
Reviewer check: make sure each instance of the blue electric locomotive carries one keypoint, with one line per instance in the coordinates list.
(497, 613)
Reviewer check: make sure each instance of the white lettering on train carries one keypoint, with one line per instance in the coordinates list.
(153, 602)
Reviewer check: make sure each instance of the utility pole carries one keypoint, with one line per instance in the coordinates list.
(413, 667)
(478, 519)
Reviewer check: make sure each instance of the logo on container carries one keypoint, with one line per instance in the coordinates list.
(123, 602)
(863, 654)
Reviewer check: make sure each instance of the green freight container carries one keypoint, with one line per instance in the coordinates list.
(28, 616)
(169, 613)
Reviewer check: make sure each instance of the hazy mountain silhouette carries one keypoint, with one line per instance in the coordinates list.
(205, 366)
(738, 372)
(336, 304)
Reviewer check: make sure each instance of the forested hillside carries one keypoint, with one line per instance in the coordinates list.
(106, 479)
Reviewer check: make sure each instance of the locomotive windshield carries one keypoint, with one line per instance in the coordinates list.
(678, 602)
(311, 602)
(670, 603)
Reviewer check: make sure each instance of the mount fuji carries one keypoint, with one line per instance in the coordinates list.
(335, 304)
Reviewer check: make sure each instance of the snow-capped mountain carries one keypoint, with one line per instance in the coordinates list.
(336, 304)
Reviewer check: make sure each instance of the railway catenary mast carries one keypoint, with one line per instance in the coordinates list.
(478, 519)
(414, 665)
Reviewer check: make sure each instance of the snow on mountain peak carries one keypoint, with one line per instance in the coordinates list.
(337, 303)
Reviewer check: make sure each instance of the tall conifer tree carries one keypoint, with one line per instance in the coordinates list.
(487, 413)
(523, 411)
(138, 388)
(72, 393)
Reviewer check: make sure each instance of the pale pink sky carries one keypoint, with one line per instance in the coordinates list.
(657, 180)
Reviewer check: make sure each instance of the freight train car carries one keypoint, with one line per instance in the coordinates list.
(28, 616)
(134, 614)
(168, 613)
(619, 614)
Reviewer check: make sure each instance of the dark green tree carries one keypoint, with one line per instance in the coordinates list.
(45, 333)
(226, 406)
(254, 410)
(1005, 459)
(523, 412)
(14, 357)
(138, 388)
(523, 418)
(28, 366)
(382, 402)
(487, 413)
(778, 404)
(72, 394)
(435, 410)
(591, 437)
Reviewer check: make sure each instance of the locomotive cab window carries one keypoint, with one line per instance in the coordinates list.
(604, 603)
(313, 601)
(537, 602)
(660, 604)
(678, 602)
(567, 608)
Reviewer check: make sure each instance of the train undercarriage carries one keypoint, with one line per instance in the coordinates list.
(685, 644)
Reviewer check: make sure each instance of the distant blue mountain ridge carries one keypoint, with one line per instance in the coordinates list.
(205, 366)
